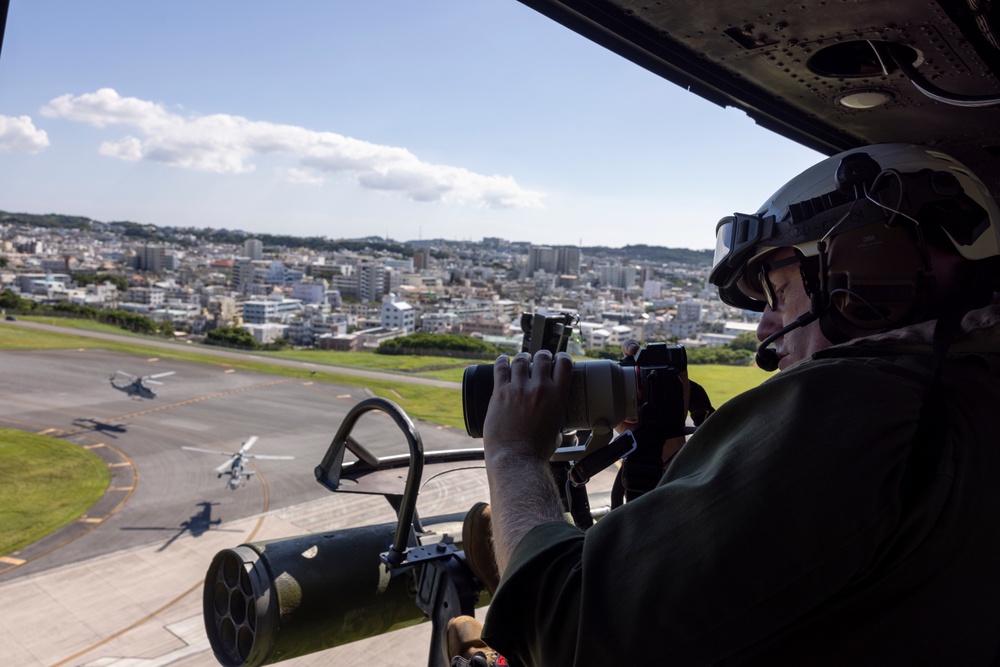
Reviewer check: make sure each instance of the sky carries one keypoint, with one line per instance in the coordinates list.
(403, 119)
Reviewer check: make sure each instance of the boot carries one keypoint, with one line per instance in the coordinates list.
(477, 542)
(466, 646)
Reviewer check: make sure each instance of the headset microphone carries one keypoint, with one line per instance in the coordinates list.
(767, 358)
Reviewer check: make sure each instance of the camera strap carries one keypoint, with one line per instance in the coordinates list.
(593, 463)
(643, 468)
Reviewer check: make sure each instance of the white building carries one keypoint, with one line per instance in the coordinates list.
(149, 296)
(253, 248)
(278, 309)
(438, 323)
(652, 289)
(309, 292)
(266, 333)
(398, 314)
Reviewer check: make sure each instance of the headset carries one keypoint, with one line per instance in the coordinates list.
(860, 224)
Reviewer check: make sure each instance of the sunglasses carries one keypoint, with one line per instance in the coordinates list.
(770, 294)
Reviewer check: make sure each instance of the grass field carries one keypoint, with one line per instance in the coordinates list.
(45, 483)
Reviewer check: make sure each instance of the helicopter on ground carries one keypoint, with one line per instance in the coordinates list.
(136, 386)
(236, 466)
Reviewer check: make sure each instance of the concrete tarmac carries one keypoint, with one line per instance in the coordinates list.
(122, 587)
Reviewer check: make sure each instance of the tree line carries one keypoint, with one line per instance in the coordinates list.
(114, 316)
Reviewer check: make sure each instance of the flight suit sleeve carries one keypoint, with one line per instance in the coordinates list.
(784, 496)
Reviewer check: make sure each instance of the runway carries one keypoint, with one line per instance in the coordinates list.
(122, 586)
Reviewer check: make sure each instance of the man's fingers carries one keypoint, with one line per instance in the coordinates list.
(562, 369)
(520, 367)
(541, 365)
(501, 371)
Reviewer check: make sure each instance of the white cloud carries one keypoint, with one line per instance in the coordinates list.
(107, 107)
(303, 176)
(222, 143)
(19, 135)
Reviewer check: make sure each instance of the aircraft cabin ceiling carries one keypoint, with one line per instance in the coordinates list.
(829, 74)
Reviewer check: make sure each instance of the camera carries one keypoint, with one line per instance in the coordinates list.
(603, 393)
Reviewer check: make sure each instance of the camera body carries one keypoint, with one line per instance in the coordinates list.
(603, 393)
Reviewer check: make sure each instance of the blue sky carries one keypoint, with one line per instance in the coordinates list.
(404, 119)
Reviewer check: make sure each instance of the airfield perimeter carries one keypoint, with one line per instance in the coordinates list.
(121, 587)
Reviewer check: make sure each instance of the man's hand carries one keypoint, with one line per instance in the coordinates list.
(529, 403)
(520, 433)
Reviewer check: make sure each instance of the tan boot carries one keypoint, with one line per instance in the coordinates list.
(477, 542)
(466, 646)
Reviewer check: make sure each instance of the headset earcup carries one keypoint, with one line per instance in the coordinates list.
(877, 279)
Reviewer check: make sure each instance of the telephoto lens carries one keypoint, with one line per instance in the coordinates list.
(603, 394)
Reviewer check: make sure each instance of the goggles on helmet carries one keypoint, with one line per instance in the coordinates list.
(743, 240)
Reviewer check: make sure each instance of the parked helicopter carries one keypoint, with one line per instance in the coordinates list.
(136, 387)
(236, 466)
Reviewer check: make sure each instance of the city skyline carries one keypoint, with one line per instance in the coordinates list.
(405, 121)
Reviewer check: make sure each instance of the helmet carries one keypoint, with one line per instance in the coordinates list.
(860, 222)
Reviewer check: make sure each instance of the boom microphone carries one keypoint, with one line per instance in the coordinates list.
(766, 357)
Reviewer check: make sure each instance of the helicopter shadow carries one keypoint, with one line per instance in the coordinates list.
(196, 526)
(94, 424)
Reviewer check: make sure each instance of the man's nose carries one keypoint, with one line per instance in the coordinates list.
(769, 323)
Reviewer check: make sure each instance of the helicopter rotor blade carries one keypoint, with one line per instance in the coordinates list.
(206, 451)
(161, 375)
(269, 456)
(248, 444)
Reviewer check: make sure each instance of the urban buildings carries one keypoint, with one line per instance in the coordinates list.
(352, 297)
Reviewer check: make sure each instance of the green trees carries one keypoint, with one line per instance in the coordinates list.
(11, 301)
(738, 353)
(439, 345)
(119, 318)
(723, 355)
(232, 337)
(745, 341)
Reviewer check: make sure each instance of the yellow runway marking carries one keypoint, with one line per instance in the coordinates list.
(153, 359)
(229, 370)
(100, 444)
(121, 488)
(90, 520)
(47, 431)
(119, 465)
(12, 561)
